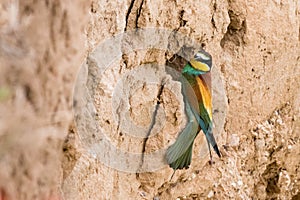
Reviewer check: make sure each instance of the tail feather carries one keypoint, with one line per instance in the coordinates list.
(211, 140)
(184, 160)
(217, 150)
(179, 154)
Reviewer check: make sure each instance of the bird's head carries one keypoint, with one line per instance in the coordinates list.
(201, 63)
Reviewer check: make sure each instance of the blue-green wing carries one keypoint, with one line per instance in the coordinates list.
(179, 154)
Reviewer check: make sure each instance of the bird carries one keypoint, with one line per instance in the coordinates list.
(196, 90)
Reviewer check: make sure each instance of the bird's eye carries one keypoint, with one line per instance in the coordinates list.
(202, 56)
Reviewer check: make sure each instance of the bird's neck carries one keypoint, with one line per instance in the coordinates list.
(191, 73)
(190, 70)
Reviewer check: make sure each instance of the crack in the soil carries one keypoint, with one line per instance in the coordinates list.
(139, 11)
(128, 13)
(153, 121)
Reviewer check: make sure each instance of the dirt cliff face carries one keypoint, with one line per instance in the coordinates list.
(54, 100)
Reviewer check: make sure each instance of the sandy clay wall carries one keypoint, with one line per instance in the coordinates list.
(55, 100)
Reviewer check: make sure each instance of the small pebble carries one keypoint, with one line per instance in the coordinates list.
(234, 140)
(260, 143)
(240, 183)
(233, 184)
(210, 194)
(279, 121)
(142, 193)
(193, 175)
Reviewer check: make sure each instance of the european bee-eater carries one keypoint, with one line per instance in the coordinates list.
(196, 90)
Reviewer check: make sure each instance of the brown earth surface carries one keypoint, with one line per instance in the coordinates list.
(50, 58)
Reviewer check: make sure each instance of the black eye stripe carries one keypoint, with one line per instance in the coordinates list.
(202, 56)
